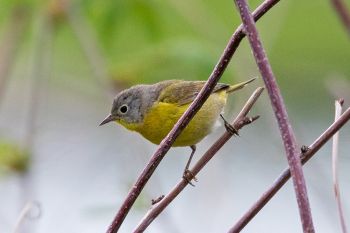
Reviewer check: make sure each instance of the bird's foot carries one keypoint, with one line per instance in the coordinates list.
(188, 176)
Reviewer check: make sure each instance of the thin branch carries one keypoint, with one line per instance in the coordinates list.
(338, 110)
(285, 175)
(279, 108)
(165, 145)
(240, 121)
(343, 13)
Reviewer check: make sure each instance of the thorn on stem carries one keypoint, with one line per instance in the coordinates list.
(155, 201)
(304, 149)
(341, 101)
(248, 120)
(229, 128)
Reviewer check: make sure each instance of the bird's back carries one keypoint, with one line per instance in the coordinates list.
(172, 102)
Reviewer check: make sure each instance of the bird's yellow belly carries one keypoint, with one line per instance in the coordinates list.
(161, 118)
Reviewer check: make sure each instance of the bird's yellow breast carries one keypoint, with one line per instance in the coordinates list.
(161, 118)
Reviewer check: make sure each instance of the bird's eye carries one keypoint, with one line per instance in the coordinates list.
(123, 108)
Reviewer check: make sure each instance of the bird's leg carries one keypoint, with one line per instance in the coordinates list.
(193, 148)
(188, 175)
(229, 128)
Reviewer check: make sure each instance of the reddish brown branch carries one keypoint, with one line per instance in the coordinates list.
(165, 145)
(279, 108)
(240, 121)
(284, 177)
(343, 13)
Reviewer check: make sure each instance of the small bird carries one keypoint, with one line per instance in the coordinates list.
(153, 110)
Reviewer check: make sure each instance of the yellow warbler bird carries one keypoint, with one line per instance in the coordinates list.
(153, 110)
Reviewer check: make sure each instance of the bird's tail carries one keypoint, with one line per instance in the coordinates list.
(238, 86)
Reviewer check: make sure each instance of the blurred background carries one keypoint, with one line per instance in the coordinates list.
(61, 63)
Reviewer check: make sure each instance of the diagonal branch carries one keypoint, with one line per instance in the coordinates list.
(240, 121)
(165, 145)
(343, 13)
(279, 108)
(285, 175)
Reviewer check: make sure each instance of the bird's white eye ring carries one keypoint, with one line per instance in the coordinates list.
(123, 109)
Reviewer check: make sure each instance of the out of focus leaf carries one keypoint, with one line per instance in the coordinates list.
(13, 158)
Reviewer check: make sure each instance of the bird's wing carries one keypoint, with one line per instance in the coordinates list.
(184, 92)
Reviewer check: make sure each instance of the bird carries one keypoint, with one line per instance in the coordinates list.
(153, 109)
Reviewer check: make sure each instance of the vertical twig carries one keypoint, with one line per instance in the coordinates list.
(287, 133)
(165, 145)
(343, 13)
(41, 65)
(10, 44)
(88, 42)
(338, 110)
(285, 175)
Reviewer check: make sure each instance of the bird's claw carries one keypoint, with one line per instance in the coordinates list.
(188, 176)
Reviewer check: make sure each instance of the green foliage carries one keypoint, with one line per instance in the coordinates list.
(311, 47)
(13, 158)
(149, 41)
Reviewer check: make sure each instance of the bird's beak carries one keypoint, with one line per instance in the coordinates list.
(109, 118)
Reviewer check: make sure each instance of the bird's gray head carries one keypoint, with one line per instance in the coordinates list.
(126, 108)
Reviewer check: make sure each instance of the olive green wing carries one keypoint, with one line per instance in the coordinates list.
(184, 92)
